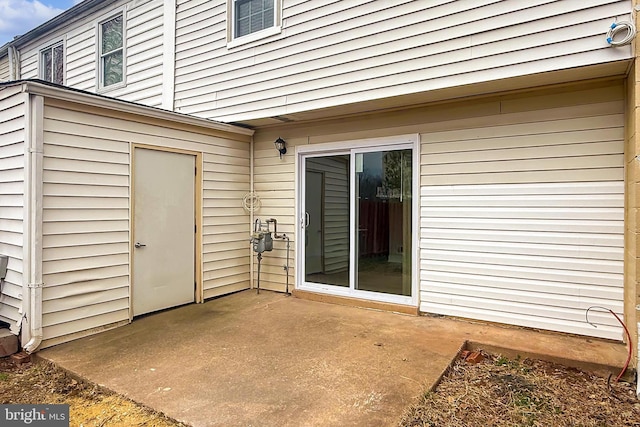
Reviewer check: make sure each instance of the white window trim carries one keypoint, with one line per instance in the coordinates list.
(344, 147)
(233, 41)
(98, 29)
(50, 45)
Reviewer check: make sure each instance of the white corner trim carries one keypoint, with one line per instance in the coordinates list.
(169, 55)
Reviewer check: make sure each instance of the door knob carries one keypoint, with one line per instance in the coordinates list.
(139, 245)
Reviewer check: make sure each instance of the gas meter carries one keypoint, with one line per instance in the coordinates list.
(262, 241)
(261, 238)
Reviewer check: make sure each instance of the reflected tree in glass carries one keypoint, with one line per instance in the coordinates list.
(112, 52)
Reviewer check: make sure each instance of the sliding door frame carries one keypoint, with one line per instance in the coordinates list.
(351, 148)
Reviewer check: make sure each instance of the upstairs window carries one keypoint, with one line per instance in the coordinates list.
(52, 63)
(111, 60)
(251, 16)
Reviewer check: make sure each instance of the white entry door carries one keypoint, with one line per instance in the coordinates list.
(164, 230)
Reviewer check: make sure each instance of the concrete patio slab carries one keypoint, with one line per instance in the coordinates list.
(273, 360)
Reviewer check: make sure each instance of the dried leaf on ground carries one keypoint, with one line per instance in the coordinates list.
(503, 392)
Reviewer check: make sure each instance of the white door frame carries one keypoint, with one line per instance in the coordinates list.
(351, 147)
(199, 291)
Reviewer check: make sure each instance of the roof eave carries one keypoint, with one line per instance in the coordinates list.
(87, 98)
(86, 6)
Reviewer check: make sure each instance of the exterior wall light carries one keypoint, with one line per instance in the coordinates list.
(281, 146)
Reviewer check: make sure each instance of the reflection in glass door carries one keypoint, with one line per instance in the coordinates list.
(357, 222)
(383, 219)
(326, 231)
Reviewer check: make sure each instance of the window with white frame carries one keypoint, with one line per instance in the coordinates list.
(111, 51)
(52, 63)
(251, 16)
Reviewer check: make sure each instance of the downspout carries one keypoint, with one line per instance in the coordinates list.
(35, 137)
(251, 216)
(11, 72)
(14, 69)
(10, 53)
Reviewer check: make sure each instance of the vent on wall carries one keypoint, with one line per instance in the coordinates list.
(282, 119)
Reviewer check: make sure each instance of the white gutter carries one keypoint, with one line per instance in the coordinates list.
(35, 143)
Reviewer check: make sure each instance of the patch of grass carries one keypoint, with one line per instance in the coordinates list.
(501, 361)
(522, 400)
(43, 383)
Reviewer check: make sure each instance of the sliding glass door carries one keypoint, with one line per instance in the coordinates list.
(383, 217)
(326, 228)
(357, 221)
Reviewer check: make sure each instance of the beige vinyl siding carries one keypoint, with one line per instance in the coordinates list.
(12, 193)
(226, 180)
(86, 216)
(521, 201)
(85, 224)
(80, 57)
(144, 52)
(274, 184)
(4, 68)
(522, 223)
(344, 52)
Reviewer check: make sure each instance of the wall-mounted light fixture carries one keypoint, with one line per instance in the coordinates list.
(281, 146)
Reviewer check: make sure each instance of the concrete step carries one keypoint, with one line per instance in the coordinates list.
(8, 343)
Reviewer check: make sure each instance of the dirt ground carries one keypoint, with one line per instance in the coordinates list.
(502, 392)
(494, 392)
(42, 383)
